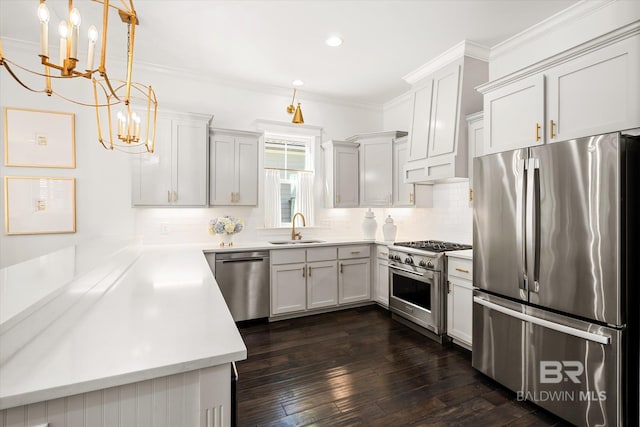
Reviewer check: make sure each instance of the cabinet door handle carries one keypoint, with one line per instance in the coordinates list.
(462, 270)
(384, 254)
(340, 267)
(309, 271)
(168, 196)
(410, 197)
(448, 287)
(537, 131)
(231, 197)
(175, 196)
(552, 126)
(237, 197)
(355, 252)
(390, 198)
(303, 272)
(470, 195)
(337, 198)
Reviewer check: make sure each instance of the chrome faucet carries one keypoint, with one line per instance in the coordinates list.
(295, 235)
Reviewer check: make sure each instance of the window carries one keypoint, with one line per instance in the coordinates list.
(288, 179)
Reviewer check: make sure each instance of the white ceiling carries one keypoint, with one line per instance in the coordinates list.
(273, 42)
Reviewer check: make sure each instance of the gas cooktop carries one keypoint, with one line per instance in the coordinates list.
(433, 245)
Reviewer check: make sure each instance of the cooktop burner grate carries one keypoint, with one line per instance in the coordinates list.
(434, 245)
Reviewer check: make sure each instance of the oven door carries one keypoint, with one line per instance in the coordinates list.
(417, 296)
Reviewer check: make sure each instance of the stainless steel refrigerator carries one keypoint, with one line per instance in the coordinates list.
(556, 256)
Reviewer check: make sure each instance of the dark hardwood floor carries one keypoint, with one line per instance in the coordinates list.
(360, 367)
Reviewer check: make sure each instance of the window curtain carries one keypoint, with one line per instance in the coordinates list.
(272, 209)
(304, 196)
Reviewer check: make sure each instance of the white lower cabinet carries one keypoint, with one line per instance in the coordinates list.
(319, 278)
(322, 281)
(303, 279)
(288, 288)
(381, 276)
(460, 300)
(354, 280)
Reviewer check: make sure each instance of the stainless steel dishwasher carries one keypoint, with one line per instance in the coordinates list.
(243, 278)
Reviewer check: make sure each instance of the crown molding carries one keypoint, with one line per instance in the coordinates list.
(394, 134)
(275, 126)
(400, 99)
(193, 74)
(464, 48)
(610, 38)
(573, 12)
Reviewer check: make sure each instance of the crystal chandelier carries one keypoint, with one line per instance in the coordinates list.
(108, 93)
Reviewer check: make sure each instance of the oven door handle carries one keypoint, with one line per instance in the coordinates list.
(406, 270)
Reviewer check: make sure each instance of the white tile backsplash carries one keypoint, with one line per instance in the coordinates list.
(450, 219)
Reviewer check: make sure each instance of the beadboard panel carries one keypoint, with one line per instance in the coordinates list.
(175, 400)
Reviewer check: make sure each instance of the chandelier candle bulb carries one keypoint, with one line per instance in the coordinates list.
(63, 31)
(43, 15)
(136, 128)
(122, 124)
(93, 36)
(75, 19)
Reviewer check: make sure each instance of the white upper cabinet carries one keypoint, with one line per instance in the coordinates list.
(382, 156)
(341, 174)
(514, 116)
(475, 135)
(376, 171)
(588, 90)
(443, 94)
(594, 94)
(176, 173)
(234, 167)
(403, 193)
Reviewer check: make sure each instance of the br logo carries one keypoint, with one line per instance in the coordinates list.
(554, 372)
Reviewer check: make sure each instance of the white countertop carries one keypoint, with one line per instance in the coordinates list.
(465, 254)
(160, 314)
(261, 246)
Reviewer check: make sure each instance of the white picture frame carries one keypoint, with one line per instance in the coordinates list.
(39, 205)
(39, 138)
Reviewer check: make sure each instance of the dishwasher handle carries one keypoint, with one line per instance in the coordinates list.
(241, 260)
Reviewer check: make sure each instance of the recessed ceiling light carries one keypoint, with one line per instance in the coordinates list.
(333, 41)
(297, 82)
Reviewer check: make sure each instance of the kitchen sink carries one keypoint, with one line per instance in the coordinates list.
(293, 242)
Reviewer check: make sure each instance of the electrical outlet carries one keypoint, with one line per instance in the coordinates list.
(164, 228)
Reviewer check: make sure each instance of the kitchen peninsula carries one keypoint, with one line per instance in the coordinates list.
(112, 341)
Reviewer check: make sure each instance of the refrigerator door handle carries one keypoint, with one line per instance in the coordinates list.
(601, 339)
(520, 224)
(532, 206)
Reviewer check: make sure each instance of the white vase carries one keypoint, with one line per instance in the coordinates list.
(389, 230)
(226, 240)
(369, 225)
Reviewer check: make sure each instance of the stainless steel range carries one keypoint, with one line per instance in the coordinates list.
(416, 285)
